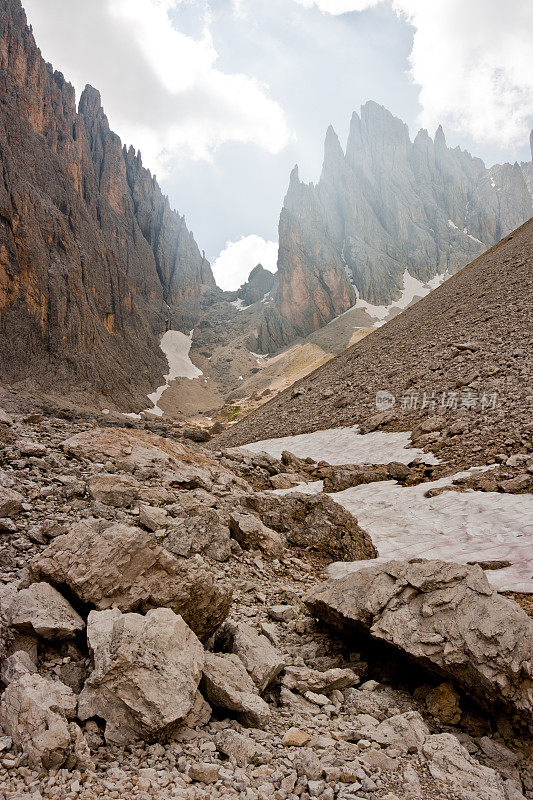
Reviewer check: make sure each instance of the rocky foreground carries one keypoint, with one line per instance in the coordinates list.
(166, 632)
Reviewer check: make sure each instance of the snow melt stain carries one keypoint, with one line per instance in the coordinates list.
(340, 446)
(176, 346)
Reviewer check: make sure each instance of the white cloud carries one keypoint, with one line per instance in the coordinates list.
(473, 62)
(237, 260)
(339, 6)
(161, 87)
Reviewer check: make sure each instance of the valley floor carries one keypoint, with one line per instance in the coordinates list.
(314, 742)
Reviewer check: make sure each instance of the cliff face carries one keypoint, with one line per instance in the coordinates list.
(386, 205)
(94, 264)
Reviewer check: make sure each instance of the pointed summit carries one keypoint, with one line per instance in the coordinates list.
(332, 145)
(440, 138)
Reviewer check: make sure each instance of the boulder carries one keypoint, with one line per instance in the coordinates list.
(35, 712)
(226, 684)
(285, 480)
(451, 765)
(304, 679)
(41, 611)
(446, 617)
(251, 534)
(120, 491)
(148, 455)
(338, 479)
(204, 532)
(313, 522)
(10, 502)
(146, 673)
(118, 565)
(241, 749)
(153, 518)
(443, 703)
(261, 660)
(402, 731)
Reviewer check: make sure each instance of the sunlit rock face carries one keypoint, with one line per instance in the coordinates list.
(94, 264)
(384, 206)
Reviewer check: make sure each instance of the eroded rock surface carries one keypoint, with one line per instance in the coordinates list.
(445, 616)
(122, 566)
(146, 672)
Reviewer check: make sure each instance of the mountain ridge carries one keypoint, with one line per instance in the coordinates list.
(95, 265)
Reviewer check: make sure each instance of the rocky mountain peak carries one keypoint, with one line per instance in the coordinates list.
(101, 265)
(386, 206)
(332, 147)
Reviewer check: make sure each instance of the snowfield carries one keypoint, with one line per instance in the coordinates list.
(403, 524)
(176, 346)
(340, 446)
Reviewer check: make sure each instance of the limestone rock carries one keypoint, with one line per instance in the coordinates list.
(445, 616)
(454, 768)
(91, 209)
(146, 673)
(241, 749)
(303, 679)
(119, 491)
(295, 737)
(313, 522)
(15, 666)
(10, 502)
(340, 478)
(41, 611)
(251, 534)
(204, 532)
(226, 684)
(261, 660)
(35, 712)
(121, 566)
(204, 772)
(153, 518)
(443, 703)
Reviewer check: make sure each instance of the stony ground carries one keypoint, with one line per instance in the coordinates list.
(315, 742)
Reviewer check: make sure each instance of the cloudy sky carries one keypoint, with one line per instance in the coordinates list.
(223, 97)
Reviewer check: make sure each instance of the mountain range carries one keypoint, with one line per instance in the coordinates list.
(95, 266)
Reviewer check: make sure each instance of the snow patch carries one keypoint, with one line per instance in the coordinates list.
(239, 304)
(340, 446)
(403, 524)
(459, 527)
(454, 526)
(412, 287)
(176, 346)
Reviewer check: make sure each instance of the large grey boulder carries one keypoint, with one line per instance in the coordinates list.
(125, 567)
(313, 522)
(446, 617)
(41, 611)
(146, 673)
(204, 532)
(36, 713)
(261, 660)
(226, 684)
